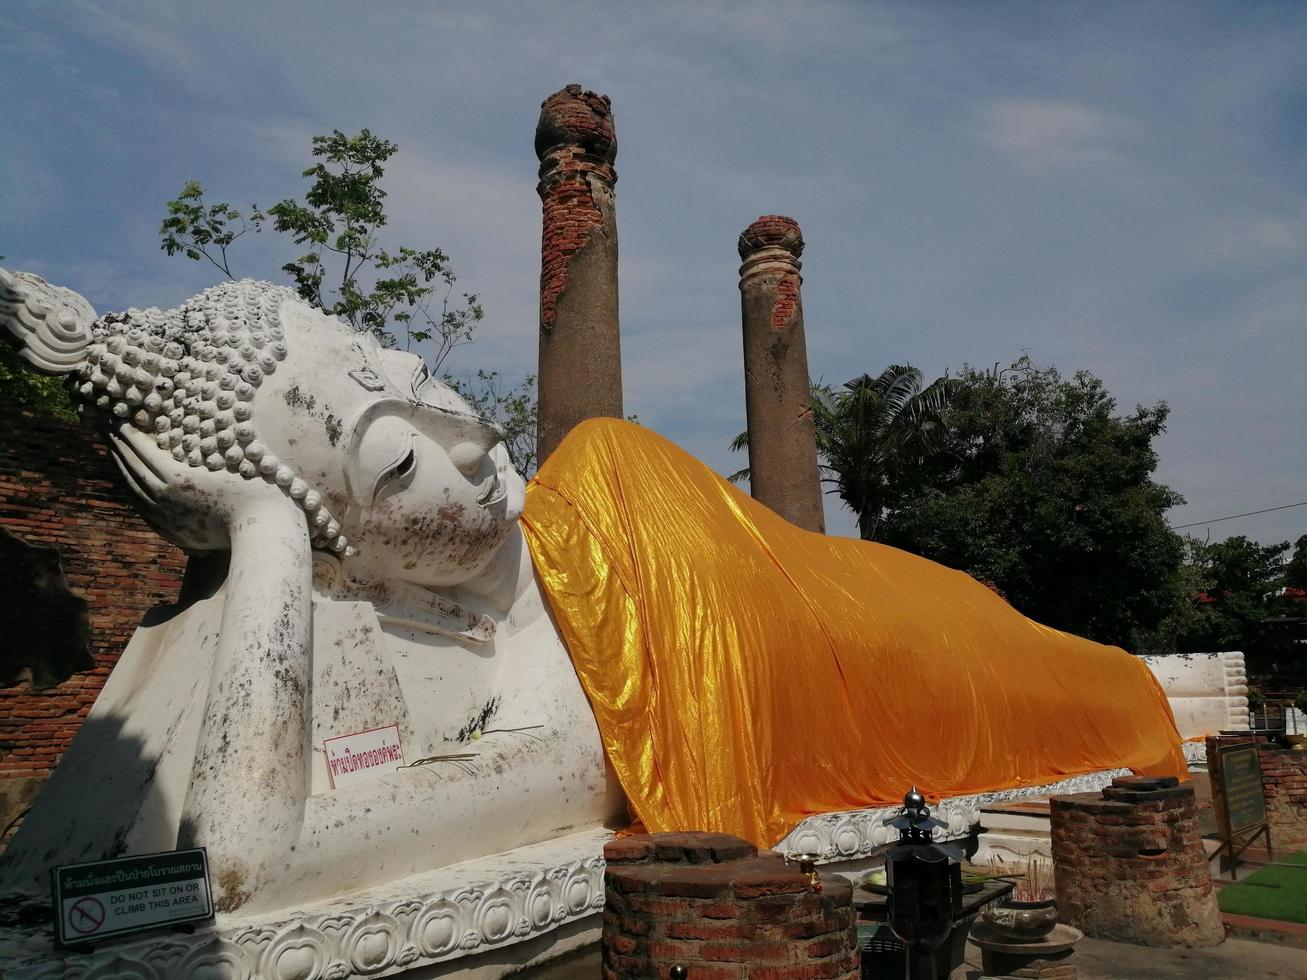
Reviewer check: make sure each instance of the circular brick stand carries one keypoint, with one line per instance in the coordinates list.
(712, 905)
(1130, 864)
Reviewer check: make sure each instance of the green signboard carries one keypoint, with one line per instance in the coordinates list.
(1241, 783)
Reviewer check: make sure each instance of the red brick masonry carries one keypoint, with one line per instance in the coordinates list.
(1284, 774)
(1130, 864)
(59, 488)
(776, 230)
(576, 143)
(712, 904)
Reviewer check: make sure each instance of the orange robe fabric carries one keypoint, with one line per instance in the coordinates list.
(746, 674)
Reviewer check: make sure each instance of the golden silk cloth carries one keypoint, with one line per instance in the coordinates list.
(746, 674)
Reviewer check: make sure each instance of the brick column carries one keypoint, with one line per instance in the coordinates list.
(580, 374)
(1130, 865)
(778, 399)
(711, 904)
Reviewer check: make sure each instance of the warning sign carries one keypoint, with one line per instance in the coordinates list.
(109, 898)
(362, 755)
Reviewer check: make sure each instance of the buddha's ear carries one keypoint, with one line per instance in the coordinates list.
(50, 326)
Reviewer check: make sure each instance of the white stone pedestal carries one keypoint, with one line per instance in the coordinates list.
(475, 921)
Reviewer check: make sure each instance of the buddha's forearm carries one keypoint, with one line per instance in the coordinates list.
(246, 797)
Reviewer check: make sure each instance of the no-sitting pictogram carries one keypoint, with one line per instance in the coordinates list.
(85, 916)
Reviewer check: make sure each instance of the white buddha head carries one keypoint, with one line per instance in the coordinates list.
(245, 388)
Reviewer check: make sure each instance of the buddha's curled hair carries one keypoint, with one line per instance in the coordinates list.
(49, 325)
(185, 376)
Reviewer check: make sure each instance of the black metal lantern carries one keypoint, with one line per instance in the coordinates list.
(924, 878)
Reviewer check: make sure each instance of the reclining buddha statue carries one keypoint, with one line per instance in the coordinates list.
(630, 634)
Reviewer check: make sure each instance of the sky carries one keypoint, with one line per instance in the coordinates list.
(1120, 188)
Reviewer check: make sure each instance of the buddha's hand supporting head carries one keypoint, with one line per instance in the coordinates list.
(245, 396)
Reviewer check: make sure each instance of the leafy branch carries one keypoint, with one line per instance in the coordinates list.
(512, 406)
(199, 231)
(343, 269)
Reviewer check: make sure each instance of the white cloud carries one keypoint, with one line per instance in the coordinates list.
(1248, 239)
(1046, 137)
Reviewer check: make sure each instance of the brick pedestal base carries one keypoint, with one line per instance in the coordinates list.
(709, 903)
(1130, 865)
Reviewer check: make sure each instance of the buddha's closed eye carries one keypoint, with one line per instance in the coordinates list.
(397, 474)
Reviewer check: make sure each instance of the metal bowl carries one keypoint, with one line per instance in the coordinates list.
(1022, 921)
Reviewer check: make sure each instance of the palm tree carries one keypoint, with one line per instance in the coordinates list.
(870, 433)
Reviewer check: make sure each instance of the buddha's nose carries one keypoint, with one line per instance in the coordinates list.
(468, 458)
(470, 454)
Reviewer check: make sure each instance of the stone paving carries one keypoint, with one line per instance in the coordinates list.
(1235, 959)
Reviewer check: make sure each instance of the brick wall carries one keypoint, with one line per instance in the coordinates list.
(1130, 865)
(711, 904)
(1284, 775)
(59, 488)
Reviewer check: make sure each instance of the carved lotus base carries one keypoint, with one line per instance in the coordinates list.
(543, 900)
(551, 893)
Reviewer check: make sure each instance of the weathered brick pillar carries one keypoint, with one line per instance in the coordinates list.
(1130, 865)
(777, 395)
(711, 904)
(580, 373)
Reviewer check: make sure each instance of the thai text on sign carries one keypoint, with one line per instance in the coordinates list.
(362, 755)
(108, 898)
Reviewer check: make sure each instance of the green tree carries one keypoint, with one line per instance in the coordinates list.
(343, 268)
(39, 392)
(1238, 601)
(1184, 616)
(513, 407)
(1044, 492)
(871, 434)
(205, 231)
(1295, 575)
